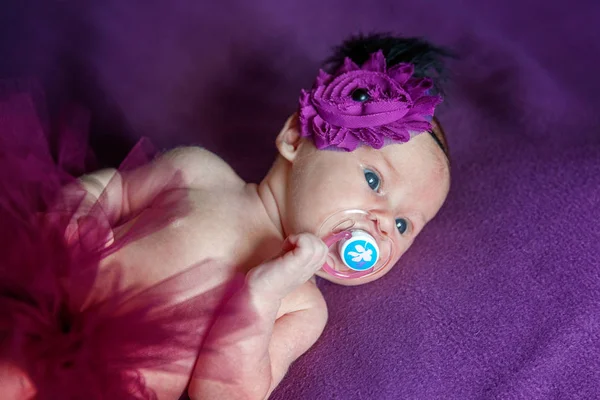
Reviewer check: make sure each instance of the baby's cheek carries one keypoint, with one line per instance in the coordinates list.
(309, 216)
(402, 248)
(436, 192)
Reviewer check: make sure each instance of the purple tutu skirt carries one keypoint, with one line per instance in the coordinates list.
(71, 347)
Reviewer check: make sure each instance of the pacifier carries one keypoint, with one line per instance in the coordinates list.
(357, 247)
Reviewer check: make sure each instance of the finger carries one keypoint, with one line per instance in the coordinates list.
(288, 244)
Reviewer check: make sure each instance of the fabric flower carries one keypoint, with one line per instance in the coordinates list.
(369, 105)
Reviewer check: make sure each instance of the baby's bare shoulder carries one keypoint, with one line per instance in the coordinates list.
(201, 167)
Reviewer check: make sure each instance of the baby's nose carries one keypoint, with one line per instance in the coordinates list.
(385, 222)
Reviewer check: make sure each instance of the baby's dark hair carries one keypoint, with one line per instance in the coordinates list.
(428, 60)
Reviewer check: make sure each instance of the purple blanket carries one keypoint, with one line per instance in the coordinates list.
(499, 298)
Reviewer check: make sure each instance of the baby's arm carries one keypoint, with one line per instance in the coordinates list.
(269, 323)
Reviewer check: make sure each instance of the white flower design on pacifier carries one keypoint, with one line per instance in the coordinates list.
(357, 247)
(360, 251)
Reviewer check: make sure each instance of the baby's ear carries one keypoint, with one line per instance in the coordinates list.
(288, 140)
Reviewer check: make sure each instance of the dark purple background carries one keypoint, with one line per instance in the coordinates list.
(500, 295)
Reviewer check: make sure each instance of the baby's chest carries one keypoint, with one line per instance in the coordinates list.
(228, 228)
(223, 231)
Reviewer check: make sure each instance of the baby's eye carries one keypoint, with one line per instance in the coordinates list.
(401, 225)
(372, 179)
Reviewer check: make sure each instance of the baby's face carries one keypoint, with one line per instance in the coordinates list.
(403, 185)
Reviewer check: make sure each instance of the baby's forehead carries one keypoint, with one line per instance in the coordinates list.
(420, 156)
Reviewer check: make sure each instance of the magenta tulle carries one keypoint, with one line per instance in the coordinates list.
(69, 346)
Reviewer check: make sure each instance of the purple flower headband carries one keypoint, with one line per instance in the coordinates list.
(370, 105)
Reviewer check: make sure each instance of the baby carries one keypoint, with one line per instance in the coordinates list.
(362, 168)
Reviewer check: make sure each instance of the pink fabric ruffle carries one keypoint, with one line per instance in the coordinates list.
(69, 346)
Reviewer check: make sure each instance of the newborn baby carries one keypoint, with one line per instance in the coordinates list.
(363, 161)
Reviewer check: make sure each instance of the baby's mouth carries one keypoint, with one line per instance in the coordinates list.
(358, 246)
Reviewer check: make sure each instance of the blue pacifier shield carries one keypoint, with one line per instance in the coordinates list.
(360, 252)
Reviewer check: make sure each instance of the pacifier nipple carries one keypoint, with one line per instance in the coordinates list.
(357, 247)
